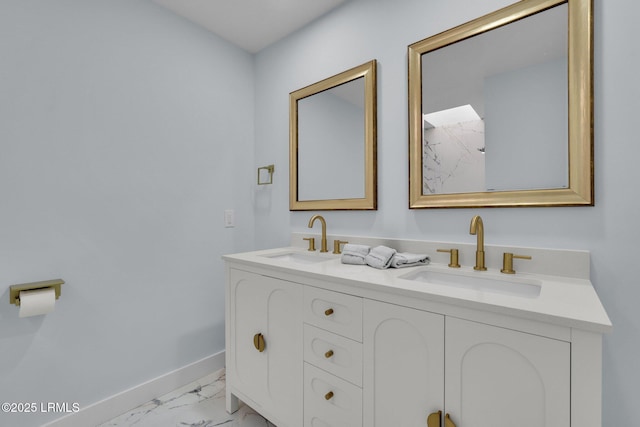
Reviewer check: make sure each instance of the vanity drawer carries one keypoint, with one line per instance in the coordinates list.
(330, 401)
(335, 354)
(333, 311)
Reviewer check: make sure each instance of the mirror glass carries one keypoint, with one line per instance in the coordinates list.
(333, 142)
(493, 121)
(493, 109)
(332, 122)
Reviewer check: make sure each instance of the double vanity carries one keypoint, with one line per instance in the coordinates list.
(313, 342)
(482, 336)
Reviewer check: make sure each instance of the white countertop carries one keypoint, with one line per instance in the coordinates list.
(564, 301)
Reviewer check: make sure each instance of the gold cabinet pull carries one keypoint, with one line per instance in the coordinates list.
(433, 420)
(330, 395)
(328, 312)
(448, 422)
(328, 354)
(258, 342)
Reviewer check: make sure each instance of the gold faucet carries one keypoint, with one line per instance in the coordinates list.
(323, 243)
(477, 228)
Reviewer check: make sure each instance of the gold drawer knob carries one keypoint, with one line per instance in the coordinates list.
(328, 354)
(328, 395)
(258, 342)
(328, 312)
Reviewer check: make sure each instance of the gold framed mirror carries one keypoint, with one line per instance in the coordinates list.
(332, 142)
(500, 110)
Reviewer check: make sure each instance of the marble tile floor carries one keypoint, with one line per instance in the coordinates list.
(198, 404)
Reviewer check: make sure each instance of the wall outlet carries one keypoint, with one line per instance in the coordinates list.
(229, 218)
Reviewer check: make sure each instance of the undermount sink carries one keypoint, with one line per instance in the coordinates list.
(529, 288)
(299, 257)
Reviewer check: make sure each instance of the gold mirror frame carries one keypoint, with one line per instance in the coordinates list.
(580, 85)
(369, 202)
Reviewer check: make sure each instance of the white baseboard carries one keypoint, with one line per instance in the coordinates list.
(104, 410)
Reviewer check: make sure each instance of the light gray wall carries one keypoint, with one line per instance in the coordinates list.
(124, 134)
(117, 125)
(382, 29)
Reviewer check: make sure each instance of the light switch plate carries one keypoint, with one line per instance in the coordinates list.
(229, 218)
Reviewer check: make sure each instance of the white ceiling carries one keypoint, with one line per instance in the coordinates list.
(251, 24)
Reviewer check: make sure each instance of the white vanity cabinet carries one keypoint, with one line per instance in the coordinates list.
(351, 346)
(418, 363)
(332, 359)
(269, 380)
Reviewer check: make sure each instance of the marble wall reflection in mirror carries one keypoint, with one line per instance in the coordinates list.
(332, 142)
(494, 118)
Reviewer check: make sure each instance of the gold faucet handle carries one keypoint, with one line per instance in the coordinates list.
(312, 243)
(453, 260)
(336, 245)
(507, 262)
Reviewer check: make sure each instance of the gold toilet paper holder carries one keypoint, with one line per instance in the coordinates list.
(14, 290)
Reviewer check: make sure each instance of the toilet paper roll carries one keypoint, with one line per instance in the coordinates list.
(37, 301)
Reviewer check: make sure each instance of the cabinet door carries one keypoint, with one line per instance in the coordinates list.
(271, 378)
(403, 365)
(498, 377)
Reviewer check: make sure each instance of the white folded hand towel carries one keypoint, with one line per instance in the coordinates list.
(354, 254)
(406, 259)
(380, 257)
